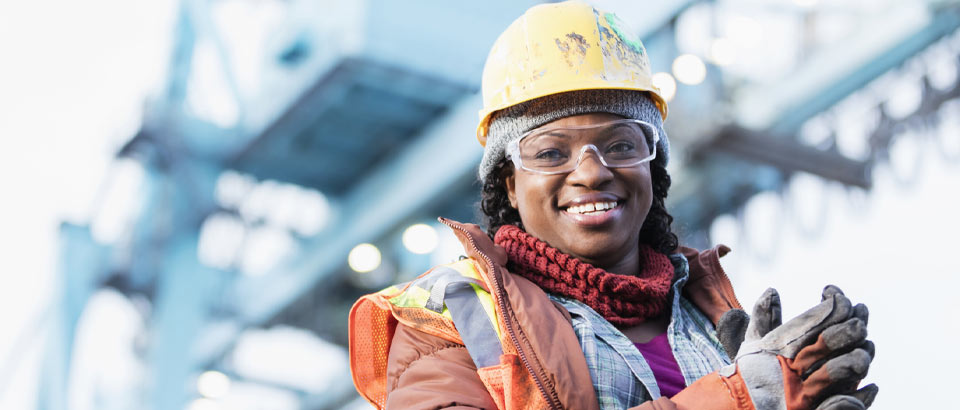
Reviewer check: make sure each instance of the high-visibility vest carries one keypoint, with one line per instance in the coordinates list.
(452, 302)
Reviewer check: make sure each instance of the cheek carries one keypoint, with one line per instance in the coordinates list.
(530, 201)
(644, 186)
(533, 199)
(647, 189)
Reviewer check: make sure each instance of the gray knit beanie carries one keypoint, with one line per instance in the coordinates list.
(510, 123)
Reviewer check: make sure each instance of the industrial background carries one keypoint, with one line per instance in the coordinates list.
(196, 191)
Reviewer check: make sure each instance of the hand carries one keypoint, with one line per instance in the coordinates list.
(817, 357)
(851, 400)
(732, 326)
(858, 400)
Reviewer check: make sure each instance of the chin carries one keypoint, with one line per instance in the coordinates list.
(590, 255)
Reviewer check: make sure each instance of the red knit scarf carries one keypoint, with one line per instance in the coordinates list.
(624, 300)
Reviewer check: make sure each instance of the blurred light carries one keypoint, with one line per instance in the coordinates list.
(305, 211)
(256, 206)
(420, 238)
(857, 117)
(762, 47)
(744, 31)
(905, 93)
(364, 258)
(948, 137)
(121, 202)
(232, 187)
(722, 51)
(816, 132)
(203, 404)
(689, 69)
(302, 210)
(906, 155)
(291, 357)
(286, 200)
(264, 248)
(221, 236)
(213, 384)
(666, 84)
(941, 65)
(314, 213)
(807, 3)
(694, 27)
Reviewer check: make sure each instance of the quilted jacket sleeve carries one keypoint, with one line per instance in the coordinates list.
(710, 392)
(427, 372)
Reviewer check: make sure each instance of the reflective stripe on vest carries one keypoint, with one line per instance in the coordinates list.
(476, 330)
(455, 291)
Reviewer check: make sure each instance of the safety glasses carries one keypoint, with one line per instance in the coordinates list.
(557, 150)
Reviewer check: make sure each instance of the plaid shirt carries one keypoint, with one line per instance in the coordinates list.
(621, 376)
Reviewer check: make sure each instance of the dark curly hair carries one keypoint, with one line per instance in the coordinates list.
(655, 232)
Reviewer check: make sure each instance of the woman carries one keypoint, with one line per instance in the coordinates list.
(578, 295)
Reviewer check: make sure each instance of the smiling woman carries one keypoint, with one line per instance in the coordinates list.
(578, 281)
(570, 210)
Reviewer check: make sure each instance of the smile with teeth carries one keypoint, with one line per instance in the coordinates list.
(594, 208)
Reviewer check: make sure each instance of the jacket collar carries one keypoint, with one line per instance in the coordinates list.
(702, 263)
(708, 284)
(479, 239)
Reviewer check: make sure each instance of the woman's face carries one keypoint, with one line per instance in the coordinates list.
(608, 239)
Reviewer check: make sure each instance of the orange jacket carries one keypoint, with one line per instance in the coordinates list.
(400, 361)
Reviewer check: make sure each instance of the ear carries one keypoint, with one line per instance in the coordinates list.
(511, 183)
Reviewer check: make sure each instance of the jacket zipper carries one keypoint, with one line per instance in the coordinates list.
(501, 297)
(726, 279)
(730, 286)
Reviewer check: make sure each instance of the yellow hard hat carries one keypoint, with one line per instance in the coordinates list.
(561, 47)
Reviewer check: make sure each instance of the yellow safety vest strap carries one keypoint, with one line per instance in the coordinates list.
(469, 317)
(442, 278)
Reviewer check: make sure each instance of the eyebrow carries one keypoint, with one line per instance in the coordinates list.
(609, 130)
(556, 133)
(560, 132)
(619, 125)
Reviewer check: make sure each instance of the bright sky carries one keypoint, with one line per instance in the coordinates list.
(72, 85)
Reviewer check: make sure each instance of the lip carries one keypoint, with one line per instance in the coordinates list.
(593, 220)
(591, 198)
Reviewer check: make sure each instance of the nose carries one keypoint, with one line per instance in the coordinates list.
(590, 171)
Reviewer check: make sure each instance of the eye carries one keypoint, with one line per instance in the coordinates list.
(551, 154)
(621, 147)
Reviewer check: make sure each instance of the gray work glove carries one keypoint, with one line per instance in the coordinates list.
(731, 329)
(816, 358)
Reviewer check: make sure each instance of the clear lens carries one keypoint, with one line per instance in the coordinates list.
(621, 143)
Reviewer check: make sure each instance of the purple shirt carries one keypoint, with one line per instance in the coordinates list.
(658, 355)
